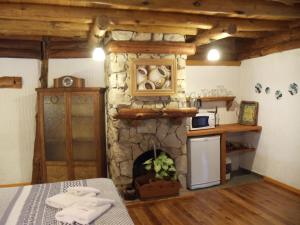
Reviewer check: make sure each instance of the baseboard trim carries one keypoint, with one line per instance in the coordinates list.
(282, 185)
(14, 185)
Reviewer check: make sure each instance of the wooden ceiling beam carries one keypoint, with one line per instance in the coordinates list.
(217, 33)
(16, 44)
(151, 47)
(61, 45)
(70, 53)
(97, 31)
(20, 53)
(42, 28)
(286, 36)
(6, 24)
(127, 17)
(269, 49)
(268, 45)
(252, 34)
(41, 33)
(231, 8)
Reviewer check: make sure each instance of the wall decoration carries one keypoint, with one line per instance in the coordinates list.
(258, 88)
(267, 90)
(10, 82)
(293, 88)
(153, 77)
(248, 113)
(278, 94)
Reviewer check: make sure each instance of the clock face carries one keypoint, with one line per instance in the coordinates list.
(67, 81)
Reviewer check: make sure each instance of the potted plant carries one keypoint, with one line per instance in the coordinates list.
(161, 180)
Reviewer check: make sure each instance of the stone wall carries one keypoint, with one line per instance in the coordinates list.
(128, 139)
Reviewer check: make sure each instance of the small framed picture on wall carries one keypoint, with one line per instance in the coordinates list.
(153, 77)
(248, 113)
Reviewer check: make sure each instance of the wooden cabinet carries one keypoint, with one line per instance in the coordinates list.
(71, 130)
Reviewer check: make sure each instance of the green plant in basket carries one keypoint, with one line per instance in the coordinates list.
(163, 166)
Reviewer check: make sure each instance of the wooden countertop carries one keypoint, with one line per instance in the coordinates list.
(225, 128)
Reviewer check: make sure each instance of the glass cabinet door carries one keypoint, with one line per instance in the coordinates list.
(84, 144)
(55, 128)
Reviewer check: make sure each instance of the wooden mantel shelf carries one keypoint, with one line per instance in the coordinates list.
(142, 114)
(226, 128)
(227, 99)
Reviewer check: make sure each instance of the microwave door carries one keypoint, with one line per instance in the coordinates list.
(200, 121)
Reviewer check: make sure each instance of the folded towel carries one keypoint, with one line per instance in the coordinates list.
(94, 201)
(64, 200)
(81, 214)
(80, 191)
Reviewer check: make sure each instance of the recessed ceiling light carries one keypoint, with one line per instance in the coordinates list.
(98, 54)
(213, 55)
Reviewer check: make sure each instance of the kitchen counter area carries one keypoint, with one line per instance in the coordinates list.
(223, 130)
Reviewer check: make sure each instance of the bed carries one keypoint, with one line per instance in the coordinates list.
(26, 205)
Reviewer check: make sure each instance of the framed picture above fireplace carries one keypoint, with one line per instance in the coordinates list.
(153, 77)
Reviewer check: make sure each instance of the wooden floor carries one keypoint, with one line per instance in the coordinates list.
(254, 204)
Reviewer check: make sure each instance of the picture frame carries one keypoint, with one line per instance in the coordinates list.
(153, 77)
(248, 113)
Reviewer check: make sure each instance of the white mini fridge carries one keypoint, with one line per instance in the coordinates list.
(203, 162)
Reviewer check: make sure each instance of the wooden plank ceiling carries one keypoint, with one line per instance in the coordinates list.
(240, 28)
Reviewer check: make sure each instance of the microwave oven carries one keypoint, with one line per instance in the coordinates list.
(203, 120)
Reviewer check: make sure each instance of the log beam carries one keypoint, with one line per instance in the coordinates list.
(151, 47)
(252, 34)
(97, 31)
(70, 53)
(274, 43)
(272, 40)
(217, 33)
(232, 8)
(45, 61)
(20, 53)
(42, 28)
(127, 17)
(269, 50)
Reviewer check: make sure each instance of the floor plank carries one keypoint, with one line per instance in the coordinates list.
(258, 203)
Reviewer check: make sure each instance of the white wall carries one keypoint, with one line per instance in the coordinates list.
(17, 109)
(17, 120)
(209, 77)
(278, 152)
(88, 69)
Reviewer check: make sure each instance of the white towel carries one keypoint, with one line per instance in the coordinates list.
(80, 191)
(81, 214)
(94, 201)
(64, 200)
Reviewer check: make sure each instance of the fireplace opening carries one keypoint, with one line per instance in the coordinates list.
(138, 164)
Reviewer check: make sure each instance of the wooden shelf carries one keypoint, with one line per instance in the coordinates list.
(227, 99)
(226, 128)
(142, 114)
(241, 150)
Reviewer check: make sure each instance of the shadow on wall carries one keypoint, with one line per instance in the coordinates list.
(26, 126)
(253, 140)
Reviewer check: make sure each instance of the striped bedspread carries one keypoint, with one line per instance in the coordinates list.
(26, 205)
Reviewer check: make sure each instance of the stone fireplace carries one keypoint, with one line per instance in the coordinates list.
(128, 139)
